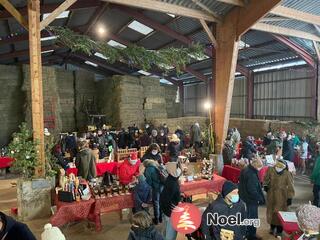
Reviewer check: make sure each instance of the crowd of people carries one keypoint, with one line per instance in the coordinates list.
(157, 183)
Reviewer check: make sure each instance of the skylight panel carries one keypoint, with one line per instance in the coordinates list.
(144, 73)
(116, 44)
(47, 51)
(64, 14)
(139, 27)
(48, 38)
(100, 55)
(91, 63)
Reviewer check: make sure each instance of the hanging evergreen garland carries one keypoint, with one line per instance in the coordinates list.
(133, 55)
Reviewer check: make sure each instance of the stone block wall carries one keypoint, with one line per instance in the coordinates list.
(11, 102)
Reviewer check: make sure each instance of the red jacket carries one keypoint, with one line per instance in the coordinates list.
(127, 171)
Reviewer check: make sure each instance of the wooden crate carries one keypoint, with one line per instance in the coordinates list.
(142, 151)
(123, 154)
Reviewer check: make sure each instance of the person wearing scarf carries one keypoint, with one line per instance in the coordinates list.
(278, 183)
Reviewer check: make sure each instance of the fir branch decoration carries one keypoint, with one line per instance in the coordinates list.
(133, 55)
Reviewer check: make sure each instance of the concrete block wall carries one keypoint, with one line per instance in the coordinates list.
(11, 102)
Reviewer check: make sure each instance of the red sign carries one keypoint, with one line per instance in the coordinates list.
(186, 218)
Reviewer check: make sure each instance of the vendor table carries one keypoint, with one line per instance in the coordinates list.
(6, 162)
(231, 173)
(291, 229)
(93, 208)
(75, 211)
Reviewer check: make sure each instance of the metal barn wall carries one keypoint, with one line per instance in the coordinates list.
(239, 98)
(194, 99)
(284, 94)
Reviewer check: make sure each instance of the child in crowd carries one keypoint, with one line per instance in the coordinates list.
(142, 228)
(142, 195)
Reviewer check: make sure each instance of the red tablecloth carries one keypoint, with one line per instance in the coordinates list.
(231, 173)
(72, 170)
(5, 162)
(102, 168)
(290, 229)
(75, 211)
(214, 185)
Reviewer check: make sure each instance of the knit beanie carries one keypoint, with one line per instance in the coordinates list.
(227, 188)
(52, 233)
(309, 217)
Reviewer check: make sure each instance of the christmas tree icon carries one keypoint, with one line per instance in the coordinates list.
(185, 221)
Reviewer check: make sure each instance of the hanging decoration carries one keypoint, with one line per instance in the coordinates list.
(133, 55)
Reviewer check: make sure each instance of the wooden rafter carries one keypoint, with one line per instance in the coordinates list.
(285, 31)
(251, 14)
(64, 6)
(166, 8)
(205, 8)
(296, 15)
(209, 32)
(233, 2)
(15, 13)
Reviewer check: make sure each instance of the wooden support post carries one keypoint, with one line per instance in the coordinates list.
(225, 67)
(250, 89)
(36, 80)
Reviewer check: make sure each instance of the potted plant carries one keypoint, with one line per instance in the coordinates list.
(33, 194)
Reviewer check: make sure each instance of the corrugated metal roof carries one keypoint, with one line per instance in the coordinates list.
(218, 7)
(309, 6)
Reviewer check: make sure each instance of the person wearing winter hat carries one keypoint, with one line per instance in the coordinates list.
(227, 204)
(142, 228)
(309, 221)
(278, 183)
(170, 198)
(52, 233)
(129, 169)
(11, 229)
(142, 195)
(154, 136)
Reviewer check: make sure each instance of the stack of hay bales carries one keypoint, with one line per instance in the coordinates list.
(154, 102)
(173, 108)
(11, 99)
(121, 100)
(65, 81)
(51, 99)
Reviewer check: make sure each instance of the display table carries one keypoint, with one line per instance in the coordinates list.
(102, 168)
(112, 204)
(75, 211)
(6, 162)
(202, 186)
(93, 208)
(231, 173)
(291, 229)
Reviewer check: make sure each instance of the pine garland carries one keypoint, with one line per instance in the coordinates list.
(133, 55)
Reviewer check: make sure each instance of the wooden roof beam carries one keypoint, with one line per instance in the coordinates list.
(296, 15)
(48, 8)
(15, 13)
(166, 8)
(209, 32)
(285, 31)
(63, 7)
(233, 2)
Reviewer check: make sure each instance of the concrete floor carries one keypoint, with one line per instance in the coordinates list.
(114, 229)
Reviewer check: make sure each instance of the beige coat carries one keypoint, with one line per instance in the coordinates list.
(280, 189)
